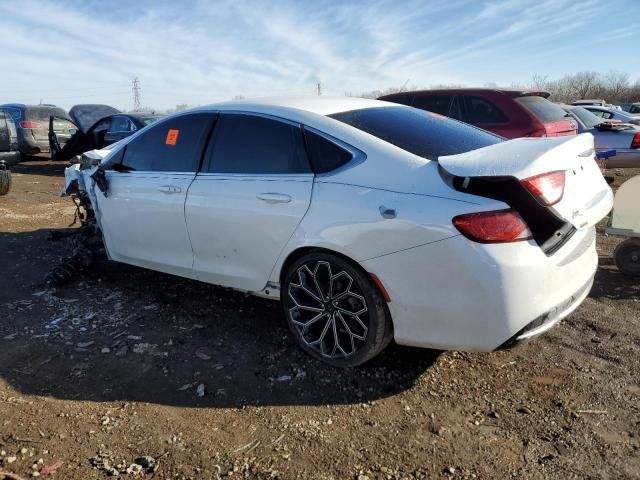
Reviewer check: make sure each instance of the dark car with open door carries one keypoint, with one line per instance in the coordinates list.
(98, 126)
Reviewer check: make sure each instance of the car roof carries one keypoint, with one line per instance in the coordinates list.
(23, 105)
(511, 92)
(319, 105)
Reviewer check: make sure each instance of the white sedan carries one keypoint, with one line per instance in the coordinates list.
(368, 220)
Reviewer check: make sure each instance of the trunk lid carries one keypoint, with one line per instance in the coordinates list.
(587, 197)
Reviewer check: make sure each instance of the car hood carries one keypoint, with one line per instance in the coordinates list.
(86, 116)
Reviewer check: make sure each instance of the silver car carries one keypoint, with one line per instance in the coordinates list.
(623, 138)
(611, 114)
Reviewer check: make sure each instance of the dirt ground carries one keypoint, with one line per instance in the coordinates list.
(127, 363)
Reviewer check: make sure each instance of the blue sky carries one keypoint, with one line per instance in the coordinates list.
(199, 52)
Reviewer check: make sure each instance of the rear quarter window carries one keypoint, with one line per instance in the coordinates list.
(425, 134)
(542, 108)
(324, 155)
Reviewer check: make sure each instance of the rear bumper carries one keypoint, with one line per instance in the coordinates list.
(549, 319)
(10, 158)
(624, 158)
(459, 295)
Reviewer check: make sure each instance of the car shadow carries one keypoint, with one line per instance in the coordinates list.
(119, 333)
(40, 166)
(614, 284)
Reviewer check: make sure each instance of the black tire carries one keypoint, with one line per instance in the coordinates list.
(5, 182)
(627, 256)
(323, 293)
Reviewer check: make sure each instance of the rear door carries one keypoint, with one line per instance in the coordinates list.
(142, 217)
(554, 119)
(244, 206)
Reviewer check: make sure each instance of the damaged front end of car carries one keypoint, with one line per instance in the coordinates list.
(87, 246)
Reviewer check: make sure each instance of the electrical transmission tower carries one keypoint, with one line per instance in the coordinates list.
(137, 104)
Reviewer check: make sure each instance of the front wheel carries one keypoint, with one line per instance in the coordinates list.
(335, 311)
(627, 256)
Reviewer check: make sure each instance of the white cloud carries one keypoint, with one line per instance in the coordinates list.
(201, 52)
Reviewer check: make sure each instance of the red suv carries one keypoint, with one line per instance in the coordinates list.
(506, 112)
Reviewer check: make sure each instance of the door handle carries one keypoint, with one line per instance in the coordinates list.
(169, 189)
(274, 197)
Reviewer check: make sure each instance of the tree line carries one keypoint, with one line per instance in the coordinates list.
(614, 87)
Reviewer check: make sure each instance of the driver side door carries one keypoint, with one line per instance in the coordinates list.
(142, 217)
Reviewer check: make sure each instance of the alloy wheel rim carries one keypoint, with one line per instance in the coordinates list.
(329, 313)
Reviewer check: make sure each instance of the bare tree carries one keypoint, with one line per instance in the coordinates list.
(539, 82)
(617, 83)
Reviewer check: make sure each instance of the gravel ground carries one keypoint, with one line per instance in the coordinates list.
(135, 373)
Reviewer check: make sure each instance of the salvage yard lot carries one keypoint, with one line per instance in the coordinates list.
(123, 363)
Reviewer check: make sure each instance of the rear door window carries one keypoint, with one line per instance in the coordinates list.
(456, 108)
(120, 124)
(422, 133)
(434, 103)
(252, 144)
(542, 108)
(480, 111)
(174, 145)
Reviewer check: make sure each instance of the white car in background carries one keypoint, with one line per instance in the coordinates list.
(367, 219)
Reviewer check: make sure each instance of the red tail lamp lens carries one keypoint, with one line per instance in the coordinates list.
(497, 226)
(548, 187)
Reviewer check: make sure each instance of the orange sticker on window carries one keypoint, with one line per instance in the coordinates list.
(172, 137)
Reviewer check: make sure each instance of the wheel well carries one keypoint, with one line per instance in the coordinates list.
(300, 252)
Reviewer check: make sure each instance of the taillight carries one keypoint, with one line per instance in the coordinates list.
(537, 133)
(635, 143)
(30, 124)
(547, 187)
(496, 226)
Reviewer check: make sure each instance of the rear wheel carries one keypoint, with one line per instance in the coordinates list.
(335, 311)
(5, 179)
(627, 256)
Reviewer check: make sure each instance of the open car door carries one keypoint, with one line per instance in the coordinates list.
(85, 118)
